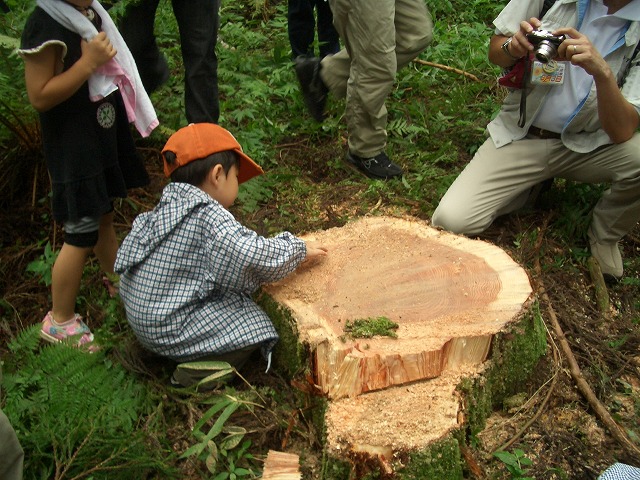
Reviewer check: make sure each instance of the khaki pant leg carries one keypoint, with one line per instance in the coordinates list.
(492, 184)
(618, 210)
(414, 30)
(369, 35)
(494, 181)
(11, 454)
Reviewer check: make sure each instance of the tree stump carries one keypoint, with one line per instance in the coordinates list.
(449, 295)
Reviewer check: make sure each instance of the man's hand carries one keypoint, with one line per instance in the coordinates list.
(518, 48)
(579, 50)
(617, 116)
(520, 45)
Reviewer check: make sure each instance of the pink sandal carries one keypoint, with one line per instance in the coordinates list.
(61, 332)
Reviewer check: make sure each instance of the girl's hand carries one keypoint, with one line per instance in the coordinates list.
(98, 51)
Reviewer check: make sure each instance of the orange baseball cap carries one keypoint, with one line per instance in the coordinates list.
(199, 140)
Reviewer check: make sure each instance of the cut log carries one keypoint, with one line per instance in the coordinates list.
(468, 334)
(448, 294)
(281, 466)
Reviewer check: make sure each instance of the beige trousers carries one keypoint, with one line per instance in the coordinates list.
(379, 38)
(11, 454)
(496, 182)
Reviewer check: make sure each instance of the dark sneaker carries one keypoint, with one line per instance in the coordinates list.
(313, 88)
(375, 167)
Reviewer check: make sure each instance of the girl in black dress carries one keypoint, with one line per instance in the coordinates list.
(88, 148)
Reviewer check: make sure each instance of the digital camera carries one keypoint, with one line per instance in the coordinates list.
(546, 44)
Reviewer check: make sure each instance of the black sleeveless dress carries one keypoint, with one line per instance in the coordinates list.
(88, 146)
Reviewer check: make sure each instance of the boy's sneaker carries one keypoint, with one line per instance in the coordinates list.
(379, 167)
(608, 257)
(69, 331)
(313, 88)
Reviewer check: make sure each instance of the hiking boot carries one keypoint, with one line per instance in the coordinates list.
(313, 88)
(608, 257)
(379, 167)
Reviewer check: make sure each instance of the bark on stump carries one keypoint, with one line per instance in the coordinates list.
(451, 297)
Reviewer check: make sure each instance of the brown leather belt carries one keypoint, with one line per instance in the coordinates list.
(542, 134)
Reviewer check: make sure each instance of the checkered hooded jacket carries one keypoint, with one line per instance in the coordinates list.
(188, 270)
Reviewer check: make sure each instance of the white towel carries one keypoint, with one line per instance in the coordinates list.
(120, 72)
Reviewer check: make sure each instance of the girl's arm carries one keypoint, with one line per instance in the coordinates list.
(47, 86)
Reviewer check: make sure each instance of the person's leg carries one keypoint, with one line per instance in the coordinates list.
(618, 210)
(327, 34)
(300, 26)
(494, 183)
(11, 453)
(401, 31)
(105, 251)
(136, 27)
(107, 246)
(369, 37)
(65, 279)
(198, 22)
(414, 30)
(62, 322)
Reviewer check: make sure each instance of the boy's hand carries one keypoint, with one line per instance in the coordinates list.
(315, 253)
(98, 51)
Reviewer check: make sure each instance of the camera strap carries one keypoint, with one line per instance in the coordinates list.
(547, 4)
(523, 92)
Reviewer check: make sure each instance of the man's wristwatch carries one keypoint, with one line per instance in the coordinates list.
(505, 48)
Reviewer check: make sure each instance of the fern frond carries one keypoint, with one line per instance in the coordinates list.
(81, 407)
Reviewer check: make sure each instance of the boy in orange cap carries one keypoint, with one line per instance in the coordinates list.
(188, 268)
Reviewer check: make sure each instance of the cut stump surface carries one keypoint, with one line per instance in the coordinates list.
(448, 294)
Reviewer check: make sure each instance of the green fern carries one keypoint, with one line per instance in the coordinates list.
(77, 414)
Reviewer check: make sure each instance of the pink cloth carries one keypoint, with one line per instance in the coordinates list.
(120, 72)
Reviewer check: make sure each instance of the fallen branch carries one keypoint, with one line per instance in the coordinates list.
(448, 69)
(601, 412)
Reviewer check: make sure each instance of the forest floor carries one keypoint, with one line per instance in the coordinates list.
(565, 441)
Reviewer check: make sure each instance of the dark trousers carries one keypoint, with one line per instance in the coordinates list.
(198, 22)
(302, 27)
(188, 377)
